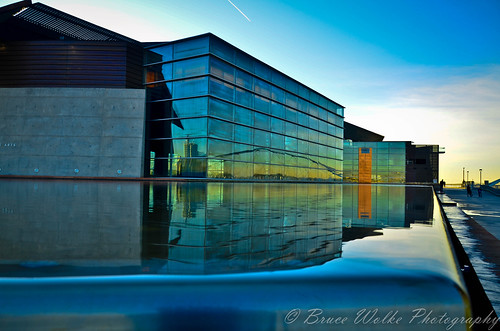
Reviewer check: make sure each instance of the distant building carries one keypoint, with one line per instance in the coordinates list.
(377, 161)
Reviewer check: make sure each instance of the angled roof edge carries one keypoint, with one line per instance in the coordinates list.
(68, 25)
(15, 7)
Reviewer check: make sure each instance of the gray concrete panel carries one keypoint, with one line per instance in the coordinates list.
(57, 130)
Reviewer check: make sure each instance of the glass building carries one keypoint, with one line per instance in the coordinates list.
(375, 162)
(214, 111)
(390, 162)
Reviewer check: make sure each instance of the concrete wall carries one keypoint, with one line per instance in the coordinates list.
(72, 132)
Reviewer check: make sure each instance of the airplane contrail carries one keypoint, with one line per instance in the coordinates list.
(239, 10)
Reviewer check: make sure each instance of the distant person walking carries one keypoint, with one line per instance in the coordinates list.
(441, 185)
(469, 191)
(479, 191)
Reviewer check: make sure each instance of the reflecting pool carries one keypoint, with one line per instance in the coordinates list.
(221, 255)
(52, 228)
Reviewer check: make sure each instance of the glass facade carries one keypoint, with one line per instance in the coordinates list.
(375, 162)
(213, 111)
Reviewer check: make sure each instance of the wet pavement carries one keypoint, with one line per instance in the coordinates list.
(485, 210)
(476, 222)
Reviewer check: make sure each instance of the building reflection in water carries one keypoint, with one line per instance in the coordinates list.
(366, 208)
(200, 228)
(63, 228)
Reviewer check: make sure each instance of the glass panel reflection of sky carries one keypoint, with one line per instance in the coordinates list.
(54, 228)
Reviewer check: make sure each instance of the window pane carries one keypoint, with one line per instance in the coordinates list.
(323, 114)
(180, 167)
(160, 109)
(159, 54)
(291, 114)
(219, 148)
(313, 136)
(277, 141)
(244, 98)
(192, 67)
(323, 102)
(262, 104)
(221, 109)
(159, 72)
(262, 88)
(277, 110)
(292, 86)
(303, 133)
(188, 147)
(291, 100)
(244, 61)
(160, 91)
(290, 172)
(262, 121)
(323, 138)
(312, 109)
(277, 125)
(332, 118)
(220, 129)
(313, 148)
(277, 157)
(314, 97)
(303, 146)
(221, 69)
(262, 156)
(291, 129)
(278, 78)
(221, 89)
(190, 87)
(304, 92)
(313, 123)
(243, 134)
(323, 126)
(220, 169)
(242, 170)
(277, 94)
(322, 151)
(222, 49)
(243, 116)
(244, 80)
(178, 128)
(262, 138)
(262, 70)
(302, 105)
(243, 153)
(187, 48)
(290, 144)
(189, 107)
(189, 127)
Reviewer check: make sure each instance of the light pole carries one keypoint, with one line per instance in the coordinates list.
(463, 176)
(480, 176)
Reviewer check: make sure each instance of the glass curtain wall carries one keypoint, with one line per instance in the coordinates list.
(388, 161)
(214, 111)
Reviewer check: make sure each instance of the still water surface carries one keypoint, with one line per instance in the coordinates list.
(62, 228)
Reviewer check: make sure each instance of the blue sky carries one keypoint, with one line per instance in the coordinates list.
(426, 71)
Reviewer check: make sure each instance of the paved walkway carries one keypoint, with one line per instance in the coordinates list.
(476, 222)
(484, 210)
